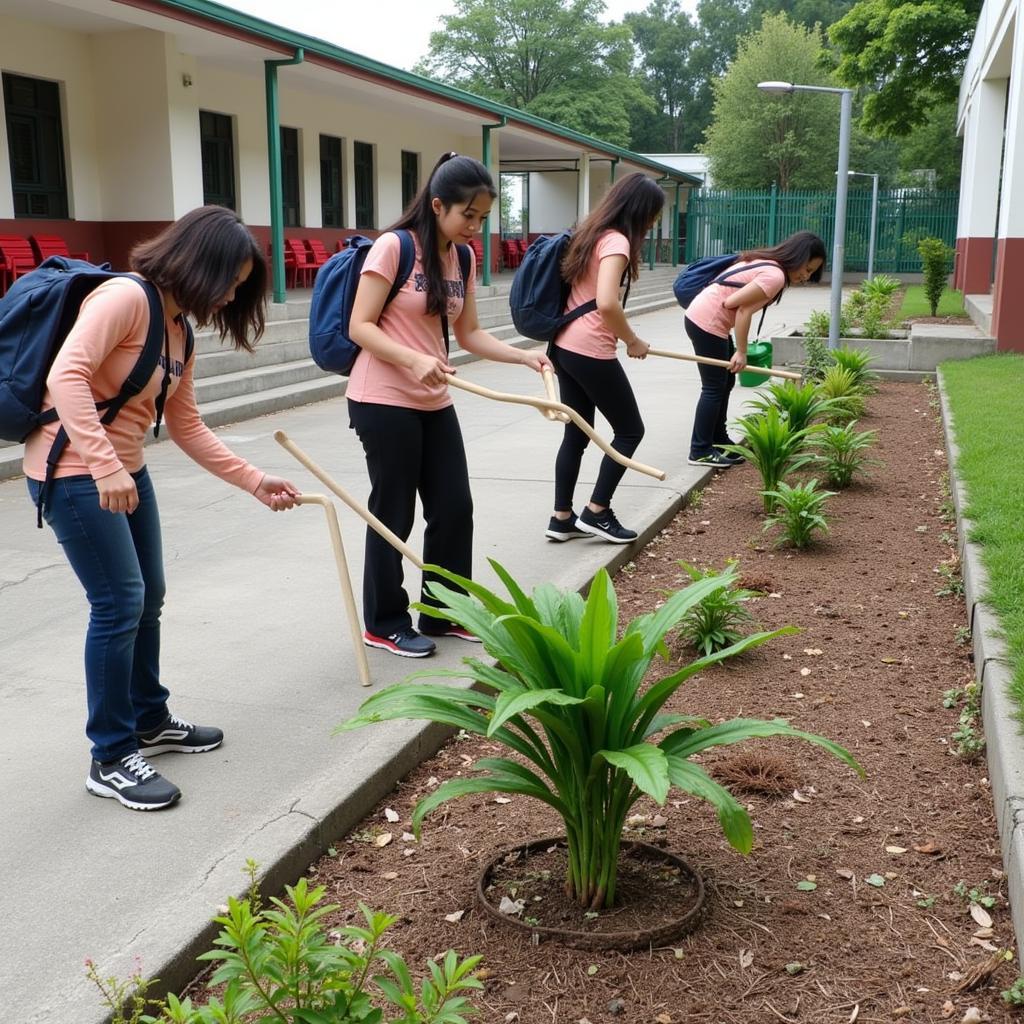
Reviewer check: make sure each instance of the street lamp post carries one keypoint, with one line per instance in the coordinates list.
(839, 233)
(874, 218)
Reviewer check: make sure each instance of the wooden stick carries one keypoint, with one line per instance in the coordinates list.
(345, 579)
(549, 387)
(558, 407)
(767, 371)
(360, 510)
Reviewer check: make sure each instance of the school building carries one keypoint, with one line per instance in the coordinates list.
(121, 115)
(990, 227)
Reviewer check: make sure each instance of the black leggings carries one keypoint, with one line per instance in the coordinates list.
(586, 384)
(409, 451)
(716, 384)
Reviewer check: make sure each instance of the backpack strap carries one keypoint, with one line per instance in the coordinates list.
(465, 262)
(721, 279)
(406, 261)
(139, 377)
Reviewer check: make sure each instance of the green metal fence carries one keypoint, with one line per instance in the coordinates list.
(719, 222)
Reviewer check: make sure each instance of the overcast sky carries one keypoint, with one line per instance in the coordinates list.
(393, 31)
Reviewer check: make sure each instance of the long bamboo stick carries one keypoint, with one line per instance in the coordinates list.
(767, 371)
(345, 579)
(549, 386)
(558, 407)
(360, 510)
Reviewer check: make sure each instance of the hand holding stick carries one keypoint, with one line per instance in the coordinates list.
(345, 579)
(767, 371)
(558, 407)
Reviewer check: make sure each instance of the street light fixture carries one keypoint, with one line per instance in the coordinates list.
(842, 174)
(874, 218)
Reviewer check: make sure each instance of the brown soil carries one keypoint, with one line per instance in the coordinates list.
(877, 649)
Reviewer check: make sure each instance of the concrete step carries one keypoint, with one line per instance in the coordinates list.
(254, 379)
(211, 364)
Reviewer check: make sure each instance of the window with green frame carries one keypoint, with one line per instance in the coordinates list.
(410, 177)
(217, 147)
(332, 192)
(290, 177)
(35, 140)
(363, 175)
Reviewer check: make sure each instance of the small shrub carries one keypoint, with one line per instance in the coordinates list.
(816, 358)
(843, 452)
(127, 1000)
(935, 256)
(881, 286)
(801, 404)
(965, 740)
(840, 385)
(817, 324)
(773, 447)
(858, 362)
(800, 511)
(715, 622)
(1014, 995)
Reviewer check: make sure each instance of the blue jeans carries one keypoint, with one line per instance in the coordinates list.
(716, 383)
(118, 559)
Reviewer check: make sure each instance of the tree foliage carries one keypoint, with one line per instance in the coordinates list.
(758, 138)
(910, 54)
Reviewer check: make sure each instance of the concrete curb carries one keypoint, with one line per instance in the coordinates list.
(993, 670)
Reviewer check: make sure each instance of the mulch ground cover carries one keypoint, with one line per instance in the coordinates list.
(848, 907)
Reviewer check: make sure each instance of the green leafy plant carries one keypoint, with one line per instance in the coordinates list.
(565, 695)
(972, 894)
(858, 362)
(967, 741)
(126, 999)
(953, 581)
(842, 452)
(281, 964)
(773, 446)
(801, 404)
(800, 511)
(1014, 995)
(817, 324)
(840, 386)
(881, 286)
(715, 622)
(935, 256)
(816, 358)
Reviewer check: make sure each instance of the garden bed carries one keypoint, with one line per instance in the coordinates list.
(850, 906)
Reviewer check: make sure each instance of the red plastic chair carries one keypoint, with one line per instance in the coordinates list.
(53, 245)
(18, 258)
(478, 251)
(522, 245)
(317, 251)
(298, 264)
(510, 256)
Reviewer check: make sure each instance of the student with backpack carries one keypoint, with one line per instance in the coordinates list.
(727, 304)
(398, 399)
(97, 496)
(602, 254)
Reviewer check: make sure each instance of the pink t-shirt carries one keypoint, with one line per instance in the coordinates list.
(588, 336)
(707, 310)
(404, 320)
(94, 361)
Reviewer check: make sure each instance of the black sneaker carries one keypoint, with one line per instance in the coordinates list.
(406, 643)
(604, 525)
(175, 735)
(714, 460)
(456, 631)
(734, 457)
(133, 782)
(564, 529)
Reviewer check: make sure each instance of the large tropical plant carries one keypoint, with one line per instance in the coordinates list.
(567, 697)
(801, 404)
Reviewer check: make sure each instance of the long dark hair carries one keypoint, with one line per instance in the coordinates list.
(792, 254)
(454, 179)
(197, 259)
(629, 206)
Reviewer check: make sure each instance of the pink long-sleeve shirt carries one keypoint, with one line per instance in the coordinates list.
(94, 361)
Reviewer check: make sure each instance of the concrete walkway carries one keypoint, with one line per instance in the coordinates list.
(255, 642)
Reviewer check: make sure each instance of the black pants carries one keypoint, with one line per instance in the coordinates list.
(408, 452)
(587, 384)
(709, 418)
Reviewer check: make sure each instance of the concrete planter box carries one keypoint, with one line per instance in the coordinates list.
(919, 352)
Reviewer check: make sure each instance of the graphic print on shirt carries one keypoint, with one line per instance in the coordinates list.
(177, 366)
(453, 289)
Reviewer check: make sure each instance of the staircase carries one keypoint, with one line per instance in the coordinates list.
(232, 386)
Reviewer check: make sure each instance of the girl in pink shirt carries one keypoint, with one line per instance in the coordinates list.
(100, 501)
(604, 252)
(755, 280)
(399, 403)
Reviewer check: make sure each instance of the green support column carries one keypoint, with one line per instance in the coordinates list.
(486, 151)
(675, 229)
(611, 174)
(274, 159)
(773, 208)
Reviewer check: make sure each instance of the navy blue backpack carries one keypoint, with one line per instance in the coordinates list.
(692, 280)
(334, 294)
(36, 315)
(539, 295)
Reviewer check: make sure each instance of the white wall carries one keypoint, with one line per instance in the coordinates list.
(552, 201)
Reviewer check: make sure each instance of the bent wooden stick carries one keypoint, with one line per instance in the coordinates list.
(558, 407)
(767, 371)
(345, 579)
(360, 510)
(549, 387)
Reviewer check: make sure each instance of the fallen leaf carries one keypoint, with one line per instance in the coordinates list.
(678, 953)
(972, 1016)
(805, 671)
(502, 800)
(982, 918)
(432, 782)
(663, 1018)
(854, 1014)
(390, 876)
(509, 1017)
(897, 850)
(507, 906)
(774, 594)
(383, 839)
(635, 820)
(800, 798)
(845, 873)
(795, 968)
(659, 821)
(929, 848)
(592, 970)
(858, 820)
(797, 696)
(984, 933)
(746, 958)
(948, 1009)
(806, 886)
(890, 661)
(903, 1011)
(408, 851)
(985, 944)
(407, 837)
(391, 815)
(865, 723)
(787, 657)
(813, 651)
(455, 917)
(876, 880)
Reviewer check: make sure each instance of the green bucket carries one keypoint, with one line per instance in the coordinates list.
(759, 353)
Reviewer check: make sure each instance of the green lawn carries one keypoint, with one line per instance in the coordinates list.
(984, 396)
(951, 303)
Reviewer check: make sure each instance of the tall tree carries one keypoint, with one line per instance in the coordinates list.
(758, 138)
(910, 54)
(552, 58)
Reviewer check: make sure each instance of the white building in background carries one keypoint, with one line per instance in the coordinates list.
(695, 164)
(990, 224)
